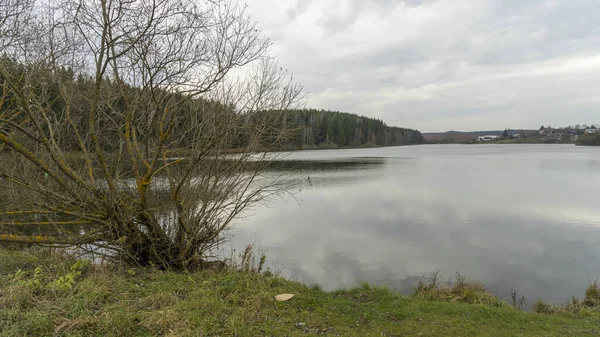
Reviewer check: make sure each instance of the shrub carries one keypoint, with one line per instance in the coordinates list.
(590, 304)
(592, 295)
(461, 290)
(545, 308)
(66, 281)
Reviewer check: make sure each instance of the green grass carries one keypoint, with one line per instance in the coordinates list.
(121, 301)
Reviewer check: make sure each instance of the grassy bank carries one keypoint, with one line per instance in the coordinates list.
(43, 294)
(589, 140)
(528, 140)
(533, 140)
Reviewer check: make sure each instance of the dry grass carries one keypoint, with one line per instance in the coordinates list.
(158, 301)
(590, 305)
(459, 289)
(592, 295)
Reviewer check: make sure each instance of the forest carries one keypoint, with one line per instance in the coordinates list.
(322, 128)
(304, 128)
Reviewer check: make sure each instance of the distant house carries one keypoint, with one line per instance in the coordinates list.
(544, 130)
(487, 138)
(556, 133)
(589, 131)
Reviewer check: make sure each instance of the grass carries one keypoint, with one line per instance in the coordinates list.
(43, 294)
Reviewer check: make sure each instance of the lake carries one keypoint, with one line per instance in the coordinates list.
(511, 216)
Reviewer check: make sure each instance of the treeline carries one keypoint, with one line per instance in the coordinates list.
(322, 128)
(69, 95)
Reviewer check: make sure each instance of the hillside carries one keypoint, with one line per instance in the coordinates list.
(322, 128)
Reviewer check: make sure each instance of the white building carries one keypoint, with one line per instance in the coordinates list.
(487, 138)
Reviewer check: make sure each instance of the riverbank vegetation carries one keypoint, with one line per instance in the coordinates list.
(534, 140)
(44, 293)
(589, 139)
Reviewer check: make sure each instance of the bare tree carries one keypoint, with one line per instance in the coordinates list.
(15, 22)
(118, 126)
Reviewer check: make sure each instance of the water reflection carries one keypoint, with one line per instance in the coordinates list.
(523, 218)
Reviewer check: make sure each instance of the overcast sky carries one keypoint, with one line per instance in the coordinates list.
(439, 65)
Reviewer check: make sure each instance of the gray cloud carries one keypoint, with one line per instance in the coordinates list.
(443, 64)
(298, 9)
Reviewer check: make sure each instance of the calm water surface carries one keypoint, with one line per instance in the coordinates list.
(512, 216)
